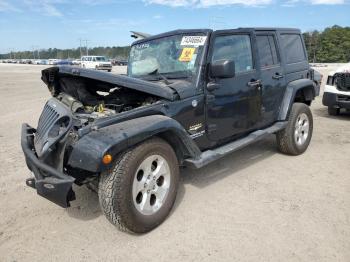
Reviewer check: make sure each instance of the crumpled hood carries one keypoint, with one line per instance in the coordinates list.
(51, 77)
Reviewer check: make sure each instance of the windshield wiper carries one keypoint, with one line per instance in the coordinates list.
(156, 72)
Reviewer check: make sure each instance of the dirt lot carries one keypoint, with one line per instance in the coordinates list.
(254, 205)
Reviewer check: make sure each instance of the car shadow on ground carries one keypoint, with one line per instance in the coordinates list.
(86, 206)
(227, 166)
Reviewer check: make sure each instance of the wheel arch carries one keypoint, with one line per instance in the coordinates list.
(87, 153)
(302, 91)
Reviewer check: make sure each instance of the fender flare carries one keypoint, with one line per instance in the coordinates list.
(309, 90)
(87, 152)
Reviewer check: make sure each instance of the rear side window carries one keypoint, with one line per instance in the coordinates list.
(293, 48)
(267, 50)
(236, 48)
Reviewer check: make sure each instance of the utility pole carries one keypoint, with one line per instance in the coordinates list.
(80, 47)
(86, 45)
(36, 50)
(33, 52)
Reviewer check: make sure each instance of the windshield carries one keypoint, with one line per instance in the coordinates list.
(175, 56)
(100, 58)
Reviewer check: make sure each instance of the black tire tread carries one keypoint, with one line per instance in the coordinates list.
(110, 190)
(285, 137)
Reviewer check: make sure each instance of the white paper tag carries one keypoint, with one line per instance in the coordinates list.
(193, 40)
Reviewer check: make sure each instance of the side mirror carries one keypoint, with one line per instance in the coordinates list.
(222, 68)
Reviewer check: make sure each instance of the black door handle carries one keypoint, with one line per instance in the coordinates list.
(254, 83)
(277, 76)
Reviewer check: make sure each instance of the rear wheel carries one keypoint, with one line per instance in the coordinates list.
(333, 111)
(138, 194)
(295, 138)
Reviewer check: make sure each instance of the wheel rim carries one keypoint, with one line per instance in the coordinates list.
(151, 184)
(302, 127)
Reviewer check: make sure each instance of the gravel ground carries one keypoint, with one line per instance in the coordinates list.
(253, 205)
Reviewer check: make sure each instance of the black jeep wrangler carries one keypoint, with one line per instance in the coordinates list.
(189, 98)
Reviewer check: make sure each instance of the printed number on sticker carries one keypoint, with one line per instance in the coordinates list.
(193, 40)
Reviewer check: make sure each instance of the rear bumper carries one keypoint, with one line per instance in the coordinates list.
(48, 182)
(336, 100)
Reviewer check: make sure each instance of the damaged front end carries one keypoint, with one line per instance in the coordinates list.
(80, 99)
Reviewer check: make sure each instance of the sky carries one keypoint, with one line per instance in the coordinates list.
(40, 24)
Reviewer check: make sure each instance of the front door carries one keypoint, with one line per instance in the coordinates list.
(233, 104)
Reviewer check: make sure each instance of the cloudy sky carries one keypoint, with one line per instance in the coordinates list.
(25, 24)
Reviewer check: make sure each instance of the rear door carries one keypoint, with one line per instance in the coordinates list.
(234, 105)
(272, 75)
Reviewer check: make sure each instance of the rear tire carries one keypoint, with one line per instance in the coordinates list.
(296, 137)
(138, 194)
(333, 111)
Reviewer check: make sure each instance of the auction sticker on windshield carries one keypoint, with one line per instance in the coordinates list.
(186, 54)
(193, 40)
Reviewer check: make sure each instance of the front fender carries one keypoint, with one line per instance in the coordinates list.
(309, 89)
(87, 153)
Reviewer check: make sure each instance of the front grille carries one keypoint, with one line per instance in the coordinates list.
(52, 115)
(342, 81)
(48, 117)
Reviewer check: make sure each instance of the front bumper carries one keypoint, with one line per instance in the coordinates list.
(336, 100)
(104, 67)
(48, 182)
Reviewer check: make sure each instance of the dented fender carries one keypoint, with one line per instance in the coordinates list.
(88, 151)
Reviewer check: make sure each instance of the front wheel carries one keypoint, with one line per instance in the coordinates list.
(138, 194)
(296, 137)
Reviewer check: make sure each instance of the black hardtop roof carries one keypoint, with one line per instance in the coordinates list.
(207, 31)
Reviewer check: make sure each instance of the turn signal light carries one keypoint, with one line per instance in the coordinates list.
(107, 159)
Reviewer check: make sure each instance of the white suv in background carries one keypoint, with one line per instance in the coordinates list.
(96, 62)
(337, 90)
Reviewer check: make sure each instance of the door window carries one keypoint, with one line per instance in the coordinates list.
(236, 48)
(293, 46)
(267, 50)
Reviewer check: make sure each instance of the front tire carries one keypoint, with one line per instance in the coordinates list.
(138, 194)
(296, 137)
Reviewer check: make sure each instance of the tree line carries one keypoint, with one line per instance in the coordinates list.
(117, 52)
(331, 45)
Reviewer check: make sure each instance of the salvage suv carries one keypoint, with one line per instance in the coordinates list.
(189, 98)
(337, 90)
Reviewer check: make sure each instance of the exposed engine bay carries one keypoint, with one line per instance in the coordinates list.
(89, 98)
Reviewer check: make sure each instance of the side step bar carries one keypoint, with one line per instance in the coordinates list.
(211, 155)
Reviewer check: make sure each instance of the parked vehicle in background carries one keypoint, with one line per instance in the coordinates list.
(337, 90)
(76, 62)
(96, 62)
(40, 62)
(64, 62)
(116, 62)
(190, 98)
(53, 61)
